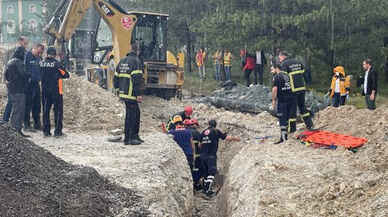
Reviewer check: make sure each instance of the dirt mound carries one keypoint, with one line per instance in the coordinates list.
(89, 107)
(357, 122)
(372, 125)
(33, 182)
(291, 179)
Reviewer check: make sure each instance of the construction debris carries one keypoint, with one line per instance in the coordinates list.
(253, 99)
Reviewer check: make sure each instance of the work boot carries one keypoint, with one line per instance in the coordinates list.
(58, 134)
(283, 137)
(135, 142)
(138, 138)
(278, 142)
(207, 189)
(309, 124)
(197, 187)
(29, 129)
(20, 133)
(37, 126)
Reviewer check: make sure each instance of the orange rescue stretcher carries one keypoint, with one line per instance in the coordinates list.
(320, 138)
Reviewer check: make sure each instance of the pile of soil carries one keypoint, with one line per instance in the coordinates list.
(291, 179)
(89, 107)
(33, 182)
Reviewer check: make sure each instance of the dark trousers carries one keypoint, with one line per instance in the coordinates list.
(8, 109)
(343, 100)
(247, 76)
(196, 164)
(132, 120)
(190, 161)
(56, 101)
(286, 111)
(300, 102)
(208, 165)
(18, 102)
(259, 71)
(33, 104)
(370, 104)
(336, 99)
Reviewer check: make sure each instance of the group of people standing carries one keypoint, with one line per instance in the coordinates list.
(32, 82)
(253, 63)
(340, 85)
(288, 94)
(222, 63)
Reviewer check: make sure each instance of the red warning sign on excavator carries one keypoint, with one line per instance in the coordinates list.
(127, 22)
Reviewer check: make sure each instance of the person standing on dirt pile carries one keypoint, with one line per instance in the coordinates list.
(33, 98)
(248, 67)
(261, 61)
(17, 79)
(210, 139)
(22, 42)
(129, 83)
(217, 64)
(369, 82)
(52, 91)
(186, 114)
(183, 137)
(295, 70)
(192, 125)
(286, 102)
(340, 86)
(228, 64)
(200, 59)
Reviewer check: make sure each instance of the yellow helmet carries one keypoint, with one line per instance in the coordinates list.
(177, 119)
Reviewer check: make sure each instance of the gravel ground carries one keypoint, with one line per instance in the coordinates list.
(260, 179)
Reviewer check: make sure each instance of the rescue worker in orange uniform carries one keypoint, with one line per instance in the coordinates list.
(340, 86)
(52, 91)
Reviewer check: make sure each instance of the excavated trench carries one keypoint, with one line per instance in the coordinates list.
(217, 206)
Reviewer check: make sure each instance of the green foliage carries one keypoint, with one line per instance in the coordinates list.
(312, 29)
(315, 30)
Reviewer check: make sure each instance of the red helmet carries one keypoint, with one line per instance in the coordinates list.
(187, 122)
(194, 122)
(188, 110)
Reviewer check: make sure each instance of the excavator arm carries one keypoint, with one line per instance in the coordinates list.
(62, 28)
(120, 23)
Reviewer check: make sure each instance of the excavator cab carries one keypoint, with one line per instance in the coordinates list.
(76, 27)
(150, 33)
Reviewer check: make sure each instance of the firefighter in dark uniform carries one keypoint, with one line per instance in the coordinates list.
(209, 147)
(129, 84)
(52, 91)
(186, 114)
(295, 70)
(192, 125)
(283, 99)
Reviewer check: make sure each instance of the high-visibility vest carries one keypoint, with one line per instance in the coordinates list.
(216, 57)
(228, 59)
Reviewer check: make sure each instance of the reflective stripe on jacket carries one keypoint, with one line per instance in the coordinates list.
(128, 79)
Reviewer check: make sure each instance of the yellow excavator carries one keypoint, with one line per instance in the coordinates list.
(78, 46)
